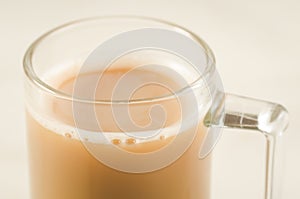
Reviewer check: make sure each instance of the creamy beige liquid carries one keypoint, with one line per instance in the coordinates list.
(61, 167)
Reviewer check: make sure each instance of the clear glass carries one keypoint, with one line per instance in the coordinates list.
(72, 156)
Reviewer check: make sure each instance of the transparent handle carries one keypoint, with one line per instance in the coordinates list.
(268, 118)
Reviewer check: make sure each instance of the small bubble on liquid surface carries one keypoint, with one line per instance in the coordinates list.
(162, 137)
(68, 135)
(116, 141)
(130, 141)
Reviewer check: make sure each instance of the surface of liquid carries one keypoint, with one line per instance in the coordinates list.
(68, 165)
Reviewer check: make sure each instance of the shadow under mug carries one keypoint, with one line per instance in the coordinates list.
(70, 157)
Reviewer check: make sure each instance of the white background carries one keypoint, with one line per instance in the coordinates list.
(257, 47)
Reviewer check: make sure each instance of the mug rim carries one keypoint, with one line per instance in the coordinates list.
(30, 73)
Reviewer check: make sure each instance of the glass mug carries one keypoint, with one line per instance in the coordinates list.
(143, 127)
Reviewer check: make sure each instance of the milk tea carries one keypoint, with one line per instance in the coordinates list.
(68, 165)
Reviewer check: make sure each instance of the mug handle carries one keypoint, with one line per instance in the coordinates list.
(270, 119)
